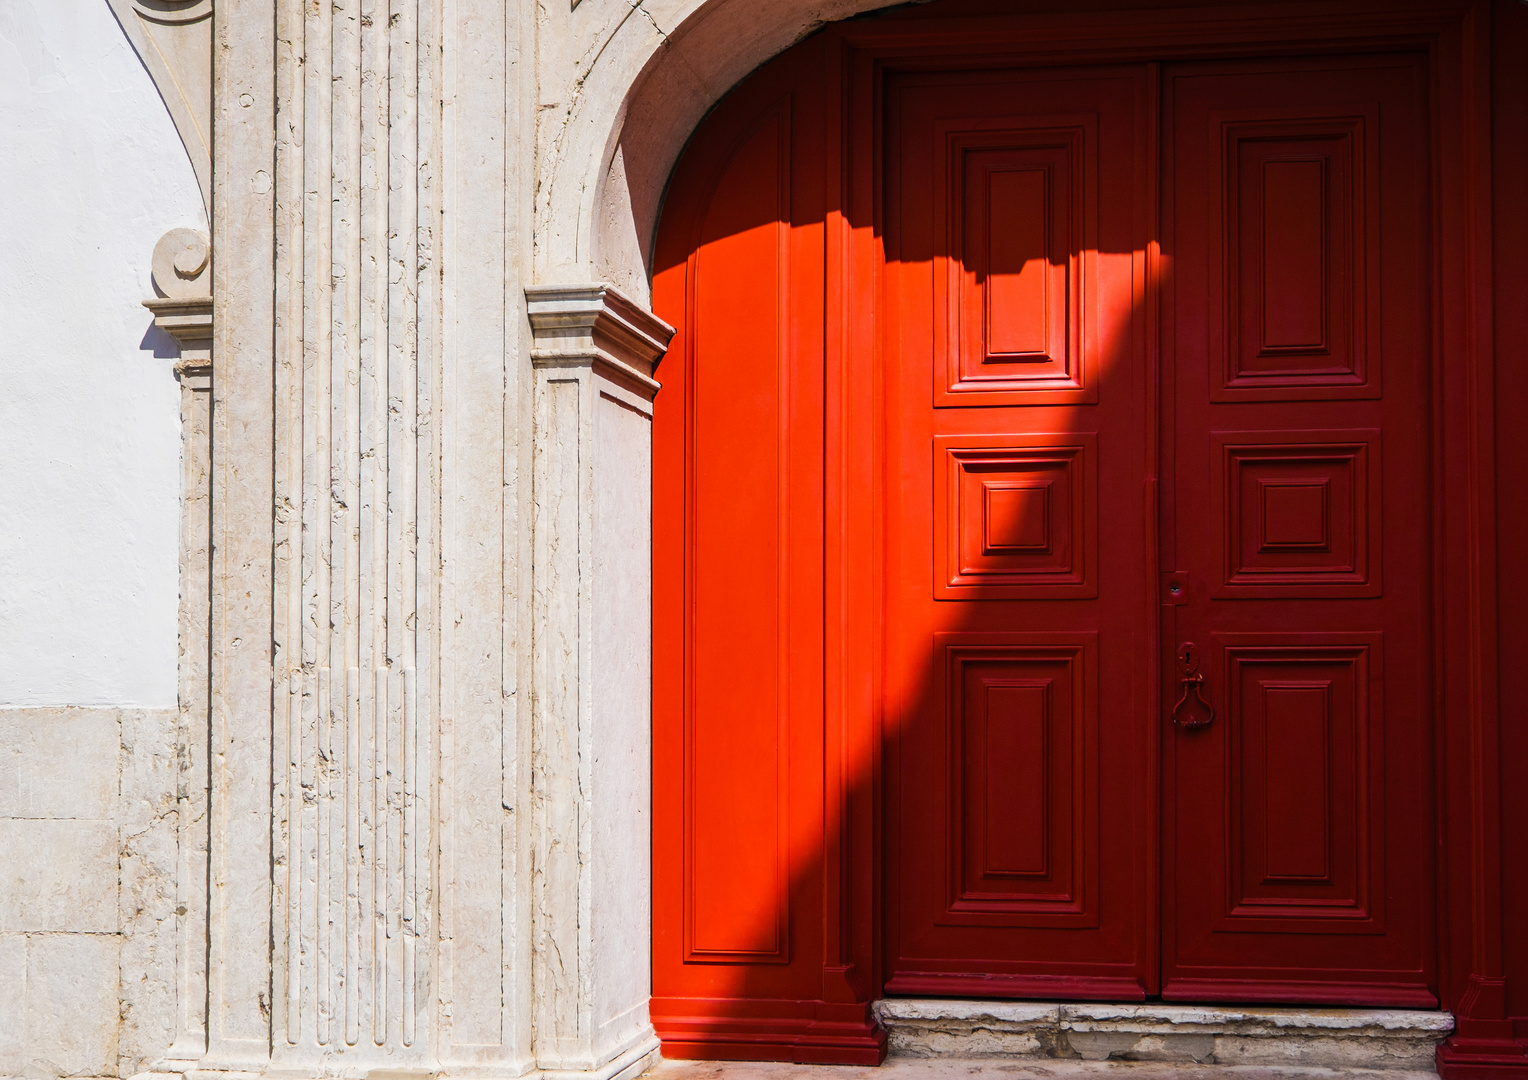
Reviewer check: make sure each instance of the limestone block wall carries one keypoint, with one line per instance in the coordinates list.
(93, 172)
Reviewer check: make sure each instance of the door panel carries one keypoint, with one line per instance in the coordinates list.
(738, 613)
(1297, 820)
(1021, 713)
(1306, 822)
(736, 893)
(1018, 567)
(1299, 242)
(1300, 513)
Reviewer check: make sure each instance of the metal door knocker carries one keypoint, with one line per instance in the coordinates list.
(1192, 683)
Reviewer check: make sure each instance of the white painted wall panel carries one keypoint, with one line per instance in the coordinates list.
(92, 173)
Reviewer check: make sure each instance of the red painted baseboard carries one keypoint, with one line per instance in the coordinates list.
(1037, 987)
(1482, 1059)
(804, 1032)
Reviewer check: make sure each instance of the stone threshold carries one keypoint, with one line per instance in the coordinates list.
(908, 1068)
(1387, 1039)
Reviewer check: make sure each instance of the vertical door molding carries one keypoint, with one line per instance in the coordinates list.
(594, 352)
(1466, 630)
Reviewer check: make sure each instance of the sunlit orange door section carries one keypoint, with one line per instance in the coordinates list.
(1018, 542)
(739, 822)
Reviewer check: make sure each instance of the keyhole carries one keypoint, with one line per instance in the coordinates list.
(1188, 656)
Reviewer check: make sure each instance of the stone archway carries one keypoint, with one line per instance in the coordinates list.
(604, 162)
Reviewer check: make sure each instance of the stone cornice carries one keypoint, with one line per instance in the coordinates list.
(187, 319)
(596, 325)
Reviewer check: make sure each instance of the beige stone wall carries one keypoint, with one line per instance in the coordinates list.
(87, 802)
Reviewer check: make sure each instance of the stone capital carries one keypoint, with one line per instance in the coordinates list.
(597, 325)
(182, 258)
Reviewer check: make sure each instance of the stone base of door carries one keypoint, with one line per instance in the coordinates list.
(1319, 1038)
(630, 1063)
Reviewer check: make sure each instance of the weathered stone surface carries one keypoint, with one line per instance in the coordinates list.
(1326, 1038)
(13, 976)
(87, 888)
(147, 817)
(918, 1028)
(70, 1028)
(58, 875)
(58, 762)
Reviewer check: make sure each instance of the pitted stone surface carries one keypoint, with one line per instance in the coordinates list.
(1389, 1039)
(907, 1068)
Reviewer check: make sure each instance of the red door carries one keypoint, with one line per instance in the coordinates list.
(1017, 668)
(1297, 822)
(1066, 430)
(1022, 434)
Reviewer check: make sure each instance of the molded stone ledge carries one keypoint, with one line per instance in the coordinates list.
(596, 324)
(1332, 1038)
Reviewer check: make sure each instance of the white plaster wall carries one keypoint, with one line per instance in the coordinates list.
(92, 173)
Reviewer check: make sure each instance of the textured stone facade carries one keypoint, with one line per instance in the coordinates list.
(399, 818)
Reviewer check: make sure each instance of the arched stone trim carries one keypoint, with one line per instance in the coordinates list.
(604, 157)
(173, 38)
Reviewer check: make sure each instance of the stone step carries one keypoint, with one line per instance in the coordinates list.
(909, 1068)
(1306, 1037)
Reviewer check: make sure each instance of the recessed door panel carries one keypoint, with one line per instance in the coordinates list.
(735, 894)
(1012, 220)
(1297, 314)
(1015, 516)
(1306, 791)
(1300, 513)
(1021, 712)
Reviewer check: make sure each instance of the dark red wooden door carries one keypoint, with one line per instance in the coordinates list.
(1017, 567)
(1022, 442)
(1297, 332)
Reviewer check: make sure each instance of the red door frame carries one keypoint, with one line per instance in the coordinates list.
(857, 56)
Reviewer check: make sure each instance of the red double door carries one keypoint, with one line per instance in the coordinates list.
(1156, 575)
(1148, 637)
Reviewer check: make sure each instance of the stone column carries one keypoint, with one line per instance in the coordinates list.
(370, 901)
(594, 355)
(184, 311)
